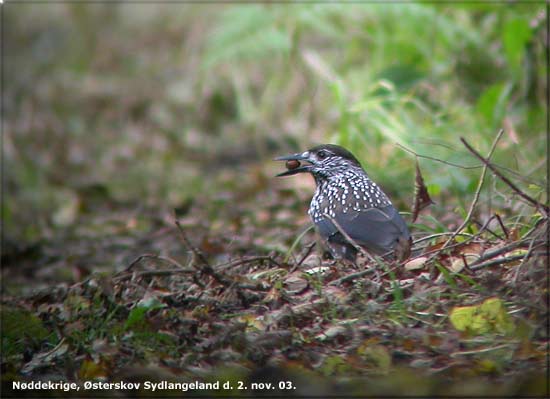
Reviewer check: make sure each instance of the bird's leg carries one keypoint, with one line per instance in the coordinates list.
(337, 253)
(402, 249)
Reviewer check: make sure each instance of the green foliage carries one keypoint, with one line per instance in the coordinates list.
(335, 365)
(515, 36)
(128, 111)
(492, 102)
(297, 241)
(141, 333)
(201, 91)
(388, 88)
(246, 33)
(449, 278)
(21, 330)
(137, 317)
(378, 357)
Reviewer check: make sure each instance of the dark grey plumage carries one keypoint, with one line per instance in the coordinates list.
(347, 196)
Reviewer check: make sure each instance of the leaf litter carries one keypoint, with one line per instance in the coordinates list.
(198, 296)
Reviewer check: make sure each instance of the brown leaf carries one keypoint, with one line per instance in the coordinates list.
(409, 345)
(471, 248)
(416, 263)
(336, 295)
(211, 246)
(514, 234)
(274, 294)
(80, 272)
(295, 284)
(421, 197)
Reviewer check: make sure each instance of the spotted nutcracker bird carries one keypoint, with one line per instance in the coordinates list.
(347, 196)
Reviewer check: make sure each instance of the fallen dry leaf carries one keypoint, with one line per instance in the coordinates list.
(416, 263)
(421, 197)
(295, 284)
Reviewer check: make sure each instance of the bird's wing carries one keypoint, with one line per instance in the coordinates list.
(377, 229)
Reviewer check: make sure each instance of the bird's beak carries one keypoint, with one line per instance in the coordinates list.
(301, 156)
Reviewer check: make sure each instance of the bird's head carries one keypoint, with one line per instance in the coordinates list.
(322, 161)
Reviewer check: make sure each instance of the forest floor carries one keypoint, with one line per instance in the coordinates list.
(227, 289)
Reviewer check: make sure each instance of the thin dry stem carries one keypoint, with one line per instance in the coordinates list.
(478, 190)
(541, 207)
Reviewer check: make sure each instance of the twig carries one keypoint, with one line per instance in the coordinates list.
(309, 248)
(469, 238)
(485, 226)
(205, 268)
(208, 270)
(518, 175)
(499, 251)
(244, 261)
(531, 246)
(299, 263)
(351, 276)
(482, 350)
(354, 275)
(295, 243)
(447, 233)
(189, 246)
(473, 204)
(55, 348)
(535, 227)
(504, 229)
(155, 257)
(474, 201)
(348, 238)
(545, 209)
(498, 261)
(437, 159)
(438, 250)
(477, 265)
(478, 189)
(151, 273)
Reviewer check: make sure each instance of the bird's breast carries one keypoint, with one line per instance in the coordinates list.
(354, 193)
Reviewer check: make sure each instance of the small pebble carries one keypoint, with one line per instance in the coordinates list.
(292, 164)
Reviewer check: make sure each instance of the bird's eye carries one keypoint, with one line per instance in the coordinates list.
(322, 154)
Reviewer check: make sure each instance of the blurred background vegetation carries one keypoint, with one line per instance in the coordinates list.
(155, 104)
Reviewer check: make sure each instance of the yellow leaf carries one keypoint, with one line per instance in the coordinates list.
(253, 322)
(489, 317)
(486, 366)
(90, 370)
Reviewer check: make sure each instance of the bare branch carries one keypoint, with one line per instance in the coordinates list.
(151, 273)
(352, 276)
(244, 261)
(154, 257)
(479, 187)
(543, 208)
(209, 270)
(437, 159)
(189, 246)
(518, 175)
